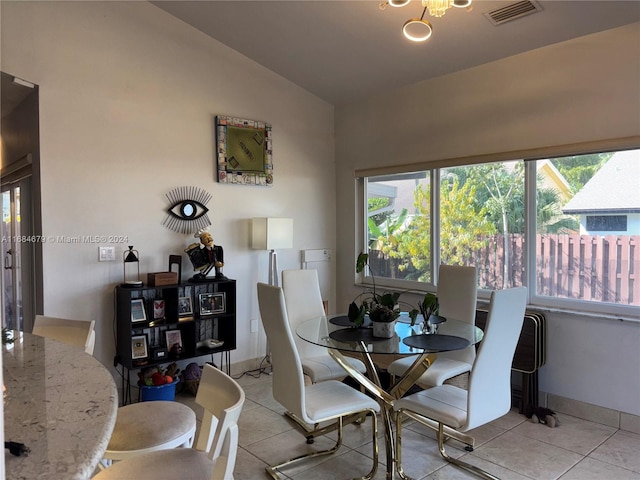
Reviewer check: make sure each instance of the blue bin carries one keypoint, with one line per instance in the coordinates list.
(158, 392)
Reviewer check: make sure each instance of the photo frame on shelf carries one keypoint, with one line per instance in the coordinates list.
(244, 153)
(138, 313)
(139, 347)
(212, 303)
(173, 338)
(158, 309)
(185, 306)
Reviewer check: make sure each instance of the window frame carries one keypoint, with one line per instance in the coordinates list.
(535, 300)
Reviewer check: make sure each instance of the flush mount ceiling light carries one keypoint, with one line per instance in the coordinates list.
(418, 29)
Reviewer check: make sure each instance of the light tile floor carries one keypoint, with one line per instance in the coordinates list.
(511, 447)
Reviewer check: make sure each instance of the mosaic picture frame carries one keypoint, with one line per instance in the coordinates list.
(243, 151)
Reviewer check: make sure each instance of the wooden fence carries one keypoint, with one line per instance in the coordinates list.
(582, 267)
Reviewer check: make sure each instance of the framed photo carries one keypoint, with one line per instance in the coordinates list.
(138, 313)
(173, 337)
(243, 151)
(139, 348)
(158, 309)
(211, 303)
(185, 307)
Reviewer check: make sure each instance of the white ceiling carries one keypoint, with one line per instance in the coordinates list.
(346, 50)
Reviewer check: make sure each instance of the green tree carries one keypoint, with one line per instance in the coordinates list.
(578, 169)
(383, 237)
(462, 226)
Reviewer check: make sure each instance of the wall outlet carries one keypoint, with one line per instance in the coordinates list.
(106, 254)
(254, 326)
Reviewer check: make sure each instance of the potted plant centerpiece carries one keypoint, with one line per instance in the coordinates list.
(429, 308)
(382, 309)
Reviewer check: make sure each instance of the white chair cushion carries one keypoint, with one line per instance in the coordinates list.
(323, 367)
(446, 404)
(174, 464)
(150, 426)
(439, 371)
(331, 399)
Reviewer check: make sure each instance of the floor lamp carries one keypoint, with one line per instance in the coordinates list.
(272, 234)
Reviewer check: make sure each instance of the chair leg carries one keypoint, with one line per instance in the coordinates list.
(272, 470)
(460, 463)
(399, 447)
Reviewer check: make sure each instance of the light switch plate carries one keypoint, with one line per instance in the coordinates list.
(106, 254)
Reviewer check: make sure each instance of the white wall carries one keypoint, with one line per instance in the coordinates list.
(577, 91)
(128, 96)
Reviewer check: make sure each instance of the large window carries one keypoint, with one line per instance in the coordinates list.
(520, 223)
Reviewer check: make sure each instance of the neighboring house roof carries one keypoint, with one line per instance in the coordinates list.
(613, 189)
(552, 178)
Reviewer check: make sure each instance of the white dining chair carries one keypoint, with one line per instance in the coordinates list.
(79, 333)
(304, 301)
(147, 427)
(489, 394)
(457, 298)
(214, 455)
(327, 401)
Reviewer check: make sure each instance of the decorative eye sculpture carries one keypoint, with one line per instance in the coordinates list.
(188, 210)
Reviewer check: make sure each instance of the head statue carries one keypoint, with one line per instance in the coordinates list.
(205, 237)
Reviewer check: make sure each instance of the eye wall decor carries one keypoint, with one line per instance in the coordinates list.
(243, 151)
(188, 210)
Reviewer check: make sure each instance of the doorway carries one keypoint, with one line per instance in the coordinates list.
(21, 296)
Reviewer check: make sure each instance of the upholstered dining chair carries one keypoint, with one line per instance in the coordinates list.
(214, 456)
(457, 297)
(304, 301)
(328, 401)
(489, 394)
(79, 333)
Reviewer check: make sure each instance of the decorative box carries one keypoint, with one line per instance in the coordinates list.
(161, 279)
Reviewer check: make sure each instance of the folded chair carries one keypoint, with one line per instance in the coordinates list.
(320, 402)
(489, 394)
(304, 301)
(214, 456)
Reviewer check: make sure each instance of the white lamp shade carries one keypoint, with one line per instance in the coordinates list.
(271, 233)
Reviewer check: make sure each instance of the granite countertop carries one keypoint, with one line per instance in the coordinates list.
(61, 403)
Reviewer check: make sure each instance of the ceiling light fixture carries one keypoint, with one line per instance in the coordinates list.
(418, 29)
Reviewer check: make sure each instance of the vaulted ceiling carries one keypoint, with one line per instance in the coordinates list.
(345, 50)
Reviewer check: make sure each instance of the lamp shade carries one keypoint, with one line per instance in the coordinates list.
(271, 233)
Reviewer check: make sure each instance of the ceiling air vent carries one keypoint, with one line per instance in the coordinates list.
(512, 11)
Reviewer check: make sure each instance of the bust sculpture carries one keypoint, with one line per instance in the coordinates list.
(206, 256)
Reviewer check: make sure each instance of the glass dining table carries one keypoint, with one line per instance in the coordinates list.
(339, 336)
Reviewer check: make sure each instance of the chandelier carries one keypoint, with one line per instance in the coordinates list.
(419, 29)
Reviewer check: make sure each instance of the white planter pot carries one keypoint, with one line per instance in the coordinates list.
(384, 329)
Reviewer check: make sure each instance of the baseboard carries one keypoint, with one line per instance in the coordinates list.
(592, 413)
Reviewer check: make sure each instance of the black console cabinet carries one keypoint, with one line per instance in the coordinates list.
(212, 315)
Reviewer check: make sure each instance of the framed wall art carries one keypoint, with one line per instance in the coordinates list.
(138, 313)
(211, 303)
(158, 309)
(243, 151)
(139, 350)
(185, 307)
(173, 339)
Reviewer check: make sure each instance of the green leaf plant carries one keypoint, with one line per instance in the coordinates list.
(384, 307)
